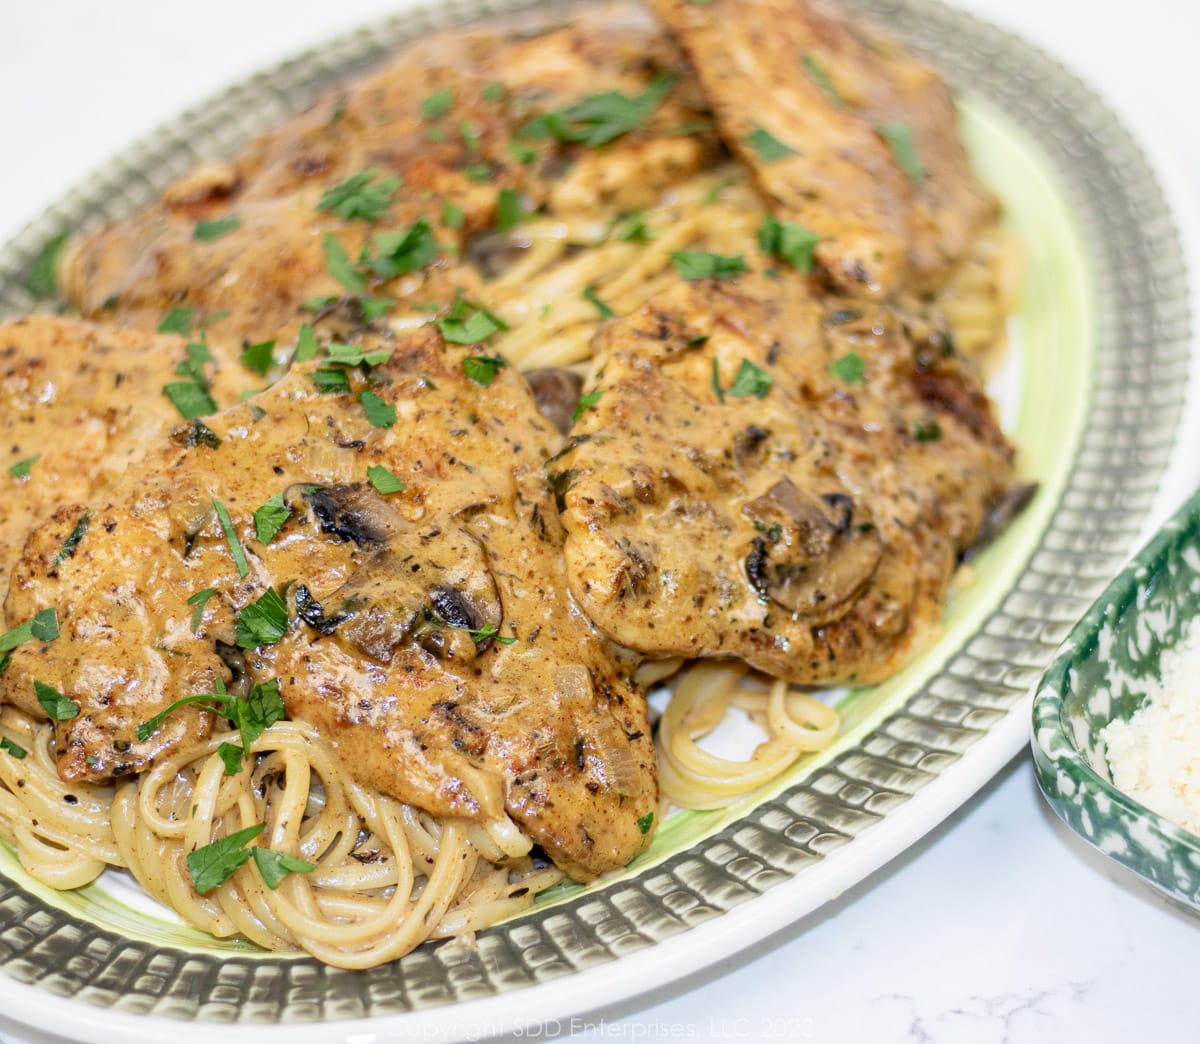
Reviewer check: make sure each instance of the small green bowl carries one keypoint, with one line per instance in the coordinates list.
(1103, 672)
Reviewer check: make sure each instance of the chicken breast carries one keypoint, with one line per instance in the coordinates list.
(846, 133)
(78, 403)
(766, 476)
(379, 537)
(363, 207)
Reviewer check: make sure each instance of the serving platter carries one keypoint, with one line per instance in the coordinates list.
(1104, 351)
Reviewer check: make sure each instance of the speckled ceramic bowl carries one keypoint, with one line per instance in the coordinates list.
(1103, 672)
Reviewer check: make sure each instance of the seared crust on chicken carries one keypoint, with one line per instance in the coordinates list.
(847, 134)
(431, 639)
(767, 477)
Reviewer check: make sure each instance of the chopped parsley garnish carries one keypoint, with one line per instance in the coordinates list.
(469, 323)
(647, 821)
(478, 172)
(275, 866)
(306, 344)
(213, 865)
(361, 196)
(42, 281)
(251, 716)
(232, 755)
(231, 538)
(785, 239)
(259, 357)
(43, 627)
(178, 321)
(493, 92)
(21, 468)
(330, 382)
(486, 633)
(818, 75)
(482, 369)
(769, 148)
(15, 749)
(849, 369)
(54, 703)
(600, 118)
(207, 231)
(339, 266)
(520, 152)
(73, 540)
(353, 355)
(586, 402)
(193, 366)
(509, 210)
(631, 228)
(699, 264)
(750, 380)
(200, 600)
(381, 414)
(436, 105)
(470, 136)
(452, 215)
(899, 137)
(593, 298)
(262, 622)
(269, 519)
(190, 399)
(927, 431)
(384, 481)
(398, 253)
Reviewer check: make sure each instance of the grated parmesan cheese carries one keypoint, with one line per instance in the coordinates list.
(1155, 755)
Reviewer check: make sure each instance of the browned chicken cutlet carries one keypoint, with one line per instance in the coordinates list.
(427, 633)
(846, 133)
(78, 403)
(464, 130)
(768, 477)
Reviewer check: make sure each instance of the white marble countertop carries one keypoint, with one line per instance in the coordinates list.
(998, 926)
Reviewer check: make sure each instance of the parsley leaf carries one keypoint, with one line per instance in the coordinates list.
(353, 355)
(338, 263)
(381, 414)
(398, 253)
(208, 231)
(509, 210)
(73, 540)
(43, 627)
(275, 866)
(213, 865)
(899, 137)
(42, 281)
(750, 380)
(357, 197)
(599, 118)
(259, 357)
(849, 369)
(769, 148)
(21, 468)
(486, 633)
(698, 264)
(15, 749)
(437, 104)
(192, 400)
(262, 622)
(631, 228)
(493, 92)
(463, 326)
(269, 519)
(592, 297)
(330, 382)
(178, 320)
(231, 538)
(521, 152)
(258, 711)
(54, 703)
(384, 481)
(482, 369)
(646, 822)
(200, 600)
(306, 344)
(232, 755)
(927, 431)
(820, 77)
(586, 402)
(452, 215)
(785, 239)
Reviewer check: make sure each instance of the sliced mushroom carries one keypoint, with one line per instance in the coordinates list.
(814, 557)
(348, 512)
(439, 594)
(556, 392)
